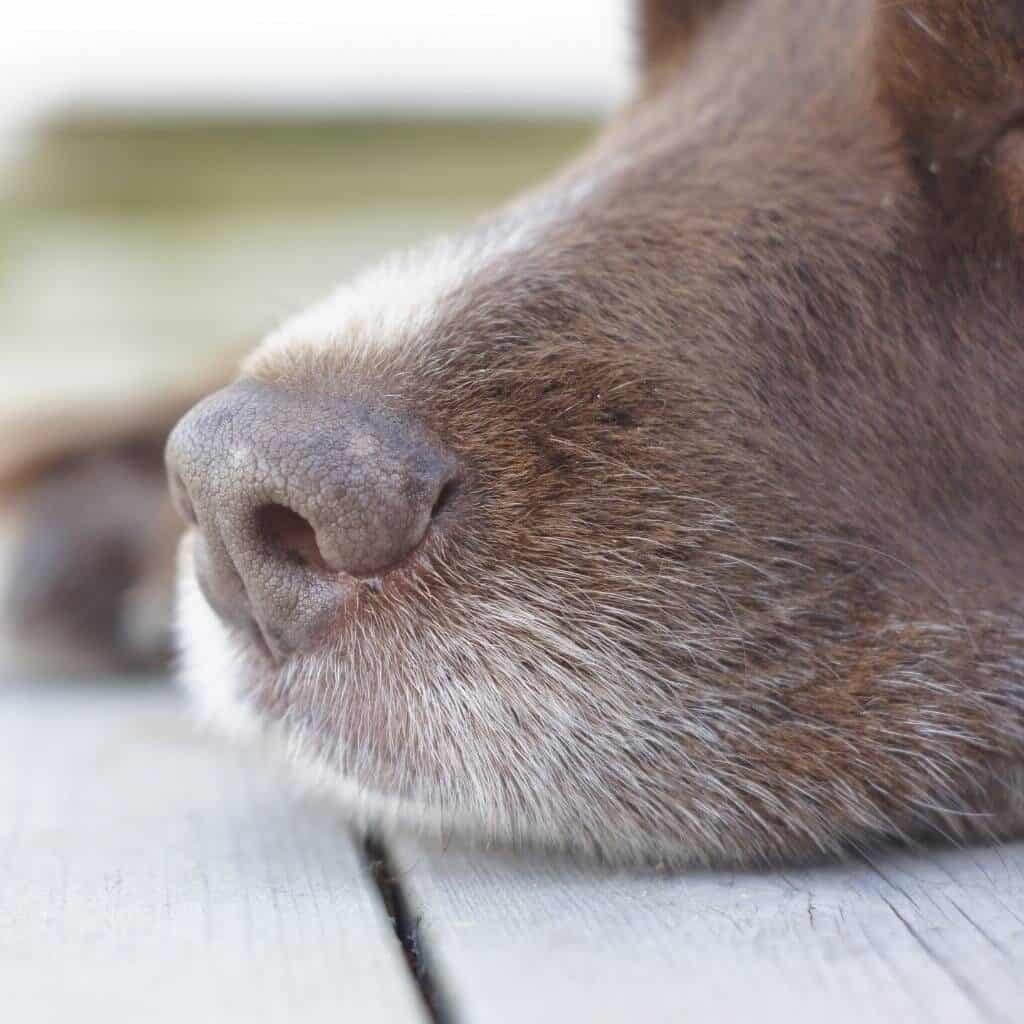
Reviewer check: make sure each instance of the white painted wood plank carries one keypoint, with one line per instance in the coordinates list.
(149, 875)
(932, 938)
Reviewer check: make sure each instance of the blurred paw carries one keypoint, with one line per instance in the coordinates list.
(86, 566)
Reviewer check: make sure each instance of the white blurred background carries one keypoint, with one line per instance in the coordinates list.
(527, 55)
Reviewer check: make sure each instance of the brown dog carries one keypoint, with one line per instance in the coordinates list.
(675, 511)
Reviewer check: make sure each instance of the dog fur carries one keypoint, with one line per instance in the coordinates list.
(734, 576)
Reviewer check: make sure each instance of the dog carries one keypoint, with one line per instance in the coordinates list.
(674, 512)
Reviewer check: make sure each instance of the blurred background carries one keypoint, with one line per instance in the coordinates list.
(176, 178)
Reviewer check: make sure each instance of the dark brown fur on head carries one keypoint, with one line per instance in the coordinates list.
(666, 27)
(735, 572)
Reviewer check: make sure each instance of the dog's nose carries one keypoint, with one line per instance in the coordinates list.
(295, 497)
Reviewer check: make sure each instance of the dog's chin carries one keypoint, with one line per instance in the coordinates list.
(222, 673)
(401, 759)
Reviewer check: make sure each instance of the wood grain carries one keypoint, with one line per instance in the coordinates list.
(931, 938)
(149, 875)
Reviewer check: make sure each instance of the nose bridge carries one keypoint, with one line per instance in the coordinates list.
(263, 444)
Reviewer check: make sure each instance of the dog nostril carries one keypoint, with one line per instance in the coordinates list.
(445, 498)
(288, 534)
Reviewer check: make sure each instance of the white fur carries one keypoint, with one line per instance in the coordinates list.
(212, 671)
(383, 308)
(209, 666)
(395, 302)
(432, 686)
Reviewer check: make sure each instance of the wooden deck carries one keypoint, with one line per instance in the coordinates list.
(151, 874)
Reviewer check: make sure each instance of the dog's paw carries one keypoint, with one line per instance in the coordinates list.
(87, 543)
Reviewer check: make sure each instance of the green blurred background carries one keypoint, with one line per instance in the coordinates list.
(136, 248)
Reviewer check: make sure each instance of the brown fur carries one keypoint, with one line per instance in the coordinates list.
(736, 571)
(668, 27)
